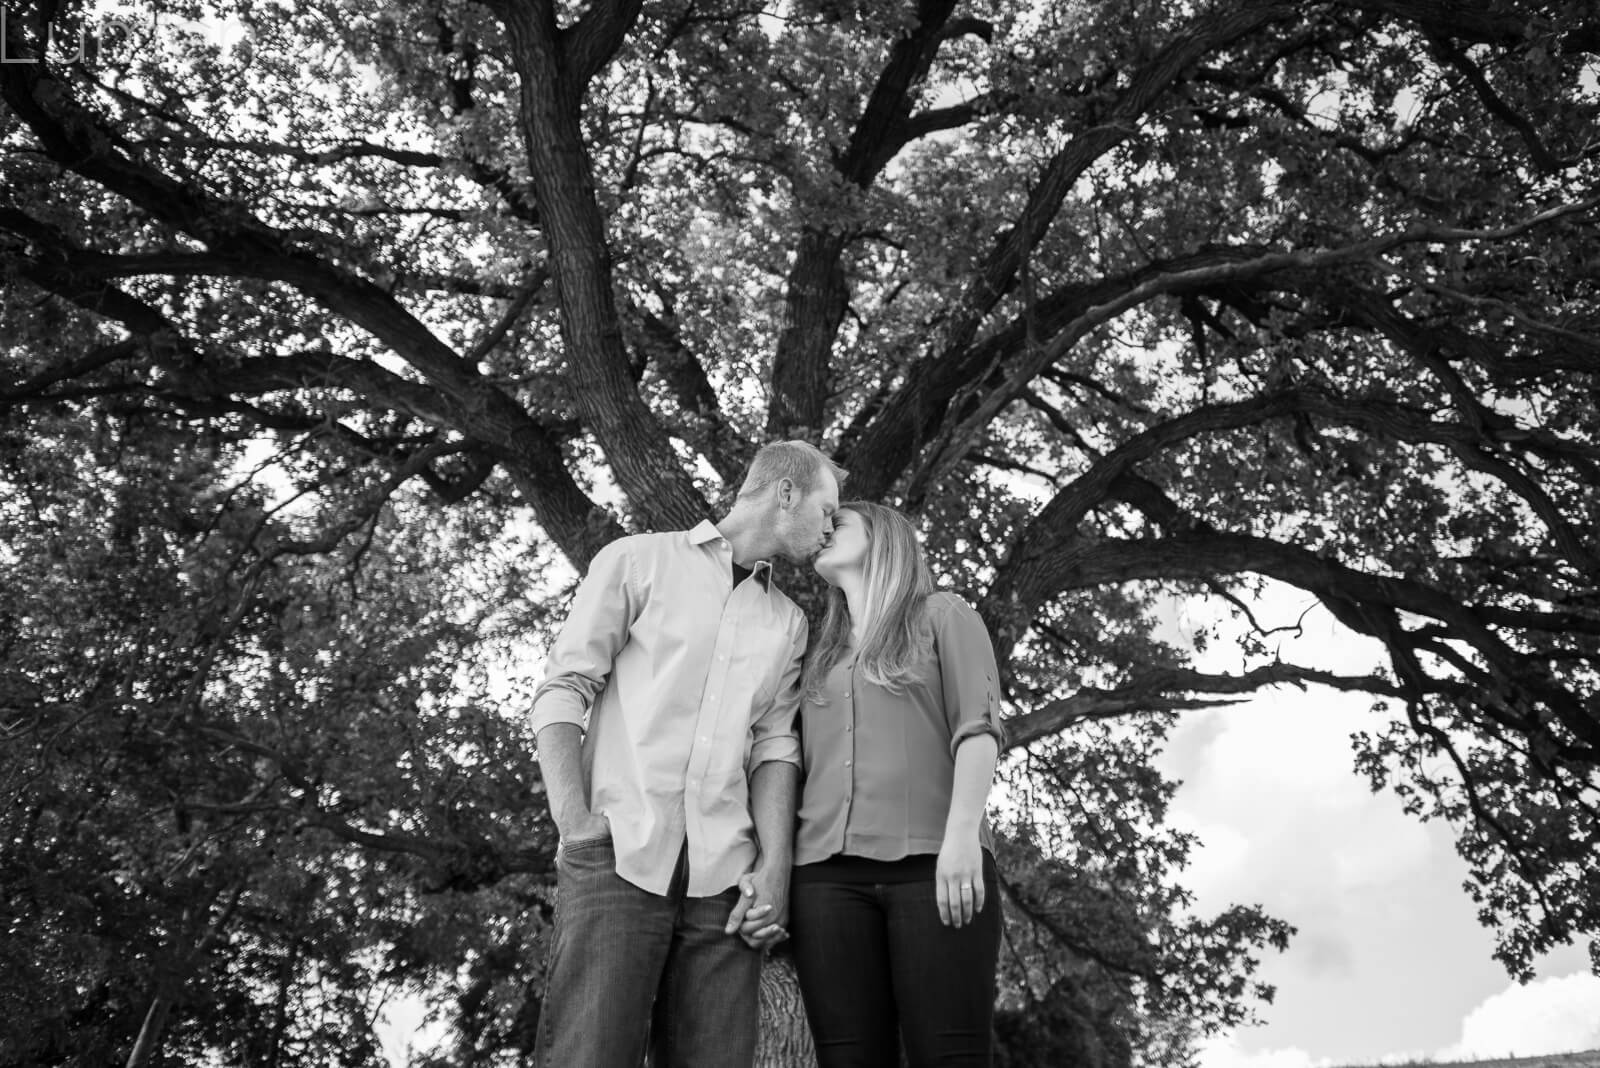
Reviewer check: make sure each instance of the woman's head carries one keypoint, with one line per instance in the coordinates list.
(871, 540)
(879, 546)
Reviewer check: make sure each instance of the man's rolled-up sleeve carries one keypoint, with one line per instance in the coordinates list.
(580, 660)
(773, 731)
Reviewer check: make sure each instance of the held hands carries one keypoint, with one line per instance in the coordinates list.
(763, 907)
(958, 880)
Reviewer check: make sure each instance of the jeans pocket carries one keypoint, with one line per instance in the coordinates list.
(585, 849)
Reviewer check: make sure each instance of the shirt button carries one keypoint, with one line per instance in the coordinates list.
(847, 693)
(847, 763)
(848, 728)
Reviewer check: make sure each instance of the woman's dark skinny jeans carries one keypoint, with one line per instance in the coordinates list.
(876, 965)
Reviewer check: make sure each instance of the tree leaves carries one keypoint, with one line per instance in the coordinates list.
(321, 359)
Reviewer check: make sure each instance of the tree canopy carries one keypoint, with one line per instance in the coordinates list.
(335, 339)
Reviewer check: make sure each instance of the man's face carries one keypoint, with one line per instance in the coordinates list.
(846, 550)
(805, 520)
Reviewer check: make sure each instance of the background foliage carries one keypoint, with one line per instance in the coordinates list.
(336, 340)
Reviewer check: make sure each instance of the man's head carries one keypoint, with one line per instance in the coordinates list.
(789, 496)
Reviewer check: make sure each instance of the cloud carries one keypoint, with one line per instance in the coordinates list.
(1269, 788)
(1375, 894)
(1389, 954)
(1547, 1016)
(1224, 1052)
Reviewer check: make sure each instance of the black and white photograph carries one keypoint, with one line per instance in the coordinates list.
(799, 534)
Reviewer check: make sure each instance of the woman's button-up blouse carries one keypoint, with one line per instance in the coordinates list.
(880, 764)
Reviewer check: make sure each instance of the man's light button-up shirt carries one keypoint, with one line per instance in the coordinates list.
(685, 684)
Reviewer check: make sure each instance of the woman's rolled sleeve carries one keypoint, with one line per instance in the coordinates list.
(970, 676)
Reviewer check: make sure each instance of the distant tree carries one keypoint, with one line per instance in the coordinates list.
(329, 355)
(202, 725)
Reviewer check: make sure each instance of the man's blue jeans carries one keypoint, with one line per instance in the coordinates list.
(629, 969)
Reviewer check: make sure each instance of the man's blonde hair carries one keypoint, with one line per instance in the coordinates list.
(798, 461)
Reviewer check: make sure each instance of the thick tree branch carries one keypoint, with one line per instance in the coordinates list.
(240, 245)
(590, 43)
(892, 438)
(1041, 572)
(71, 136)
(452, 864)
(950, 117)
(518, 307)
(340, 152)
(636, 445)
(1118, 122)
(703, 424)
(959, 437)
(95, 359)
(1495, 105)
(816, 292)
(1381, 418)
(1169, 689)
(923, 402)
(1479, 21)
(1483, 435)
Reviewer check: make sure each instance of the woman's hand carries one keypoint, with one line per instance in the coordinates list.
(763, 907)
(958, 880)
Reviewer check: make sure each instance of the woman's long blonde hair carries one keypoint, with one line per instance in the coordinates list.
(897, 587)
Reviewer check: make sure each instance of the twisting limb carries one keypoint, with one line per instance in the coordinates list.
(1172, 689)
(959, 438)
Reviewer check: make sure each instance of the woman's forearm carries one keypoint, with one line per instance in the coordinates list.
(975, 761)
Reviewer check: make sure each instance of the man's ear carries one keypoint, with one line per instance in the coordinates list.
(788, 495)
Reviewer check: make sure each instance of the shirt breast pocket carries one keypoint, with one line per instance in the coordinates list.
(762, 662)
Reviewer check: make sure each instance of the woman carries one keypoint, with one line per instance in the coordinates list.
(894, 911)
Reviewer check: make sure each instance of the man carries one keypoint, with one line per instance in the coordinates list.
(676, 805)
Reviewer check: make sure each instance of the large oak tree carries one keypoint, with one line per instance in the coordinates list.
(333, 334)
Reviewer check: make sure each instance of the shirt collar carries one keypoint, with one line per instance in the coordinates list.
(707, 532)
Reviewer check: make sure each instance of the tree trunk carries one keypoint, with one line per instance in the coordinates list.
(785, 1040)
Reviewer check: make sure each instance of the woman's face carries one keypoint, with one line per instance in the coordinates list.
(847, 551)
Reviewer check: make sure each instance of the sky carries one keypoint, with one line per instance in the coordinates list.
(1389, 962)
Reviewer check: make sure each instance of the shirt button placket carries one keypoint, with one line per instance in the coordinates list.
(850, 738)
(849, 727)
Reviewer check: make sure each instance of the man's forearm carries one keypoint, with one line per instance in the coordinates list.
(773, 789)
(561, 765)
